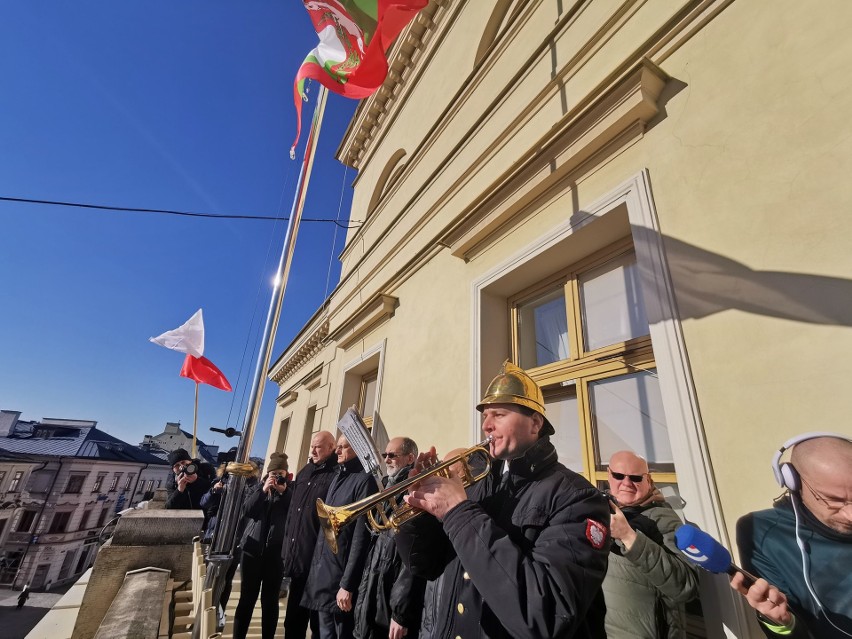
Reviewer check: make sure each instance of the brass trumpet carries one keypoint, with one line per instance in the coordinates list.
(383, 511)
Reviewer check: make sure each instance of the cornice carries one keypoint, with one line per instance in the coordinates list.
(298, 354)
(373, 111)
(376, 310)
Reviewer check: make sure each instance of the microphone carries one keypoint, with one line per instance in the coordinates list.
(704, 551)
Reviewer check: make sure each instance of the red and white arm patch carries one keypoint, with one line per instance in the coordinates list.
(595, 533)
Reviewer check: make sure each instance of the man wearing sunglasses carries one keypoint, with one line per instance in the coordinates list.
(648, 580)
(801, 548)
(390, 599)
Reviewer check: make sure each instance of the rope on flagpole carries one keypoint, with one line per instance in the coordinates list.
(195, 426)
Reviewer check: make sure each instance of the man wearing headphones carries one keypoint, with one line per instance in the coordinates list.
(802, 547)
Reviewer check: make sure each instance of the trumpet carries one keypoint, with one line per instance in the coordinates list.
(384, 512)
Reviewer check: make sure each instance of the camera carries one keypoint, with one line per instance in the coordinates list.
(281, 480)
(189, 469)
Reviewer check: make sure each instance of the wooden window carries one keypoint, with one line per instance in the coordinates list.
(115, 478)
(367, 397)
(15, 486)
(75, 484)
(583, 335)
(128, 481)
(99, 481)
(59, 523)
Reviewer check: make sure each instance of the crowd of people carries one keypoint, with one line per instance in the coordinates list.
(533, 549)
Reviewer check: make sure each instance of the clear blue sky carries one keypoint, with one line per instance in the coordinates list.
(155, 104)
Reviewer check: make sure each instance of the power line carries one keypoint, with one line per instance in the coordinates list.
(129, 209)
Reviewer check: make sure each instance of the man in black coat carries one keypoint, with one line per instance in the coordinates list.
(524, 551)
(390, 599)
(189, 487)
(334, 578)
(300, 531)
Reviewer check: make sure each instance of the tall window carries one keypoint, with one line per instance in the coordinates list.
(26, 521)
(367, 397)
(128, 481)
(15, 485)
(114, 484)
(99, 481)
(59, 523)
(75, 484)
(84, 520)
(2, 477)
(583, 336)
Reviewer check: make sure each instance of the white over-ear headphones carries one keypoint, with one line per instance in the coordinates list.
(785, 474)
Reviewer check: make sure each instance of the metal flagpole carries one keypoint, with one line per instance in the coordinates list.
(195, 425)
(221, 550)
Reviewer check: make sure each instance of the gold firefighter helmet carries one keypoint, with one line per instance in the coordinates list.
(514, 386)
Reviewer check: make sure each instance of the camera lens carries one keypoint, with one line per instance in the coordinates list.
(280, 480)
(190, 469)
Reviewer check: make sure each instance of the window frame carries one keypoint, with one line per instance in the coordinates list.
(72, 478)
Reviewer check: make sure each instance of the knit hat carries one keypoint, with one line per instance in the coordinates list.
(177, 455)
(277, 461)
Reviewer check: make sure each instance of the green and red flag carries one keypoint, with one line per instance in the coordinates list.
(354, 38)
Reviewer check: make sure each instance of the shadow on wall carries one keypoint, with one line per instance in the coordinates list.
(706, 283)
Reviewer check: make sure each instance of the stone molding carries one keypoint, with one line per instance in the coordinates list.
(298, 354)
(376, 310)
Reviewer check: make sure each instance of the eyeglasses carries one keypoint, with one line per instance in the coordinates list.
(828, 502)
(391, 455)
(620, 476)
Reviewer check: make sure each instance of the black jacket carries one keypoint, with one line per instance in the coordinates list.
(524, 557)
(388, 590)
(263, 520)
(330, 572)
(300, 531)
(190, 498)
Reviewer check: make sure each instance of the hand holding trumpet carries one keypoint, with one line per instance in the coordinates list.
(435, 494)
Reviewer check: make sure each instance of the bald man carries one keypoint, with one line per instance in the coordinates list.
(301, 529)
(648, 581)
(802, 547)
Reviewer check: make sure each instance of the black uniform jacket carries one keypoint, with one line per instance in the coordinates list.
(524, 557)
(388, 590)
(263, 520)
(330, 572)
(190, 498)
(300, 531)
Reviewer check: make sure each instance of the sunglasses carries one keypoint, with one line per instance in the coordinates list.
(390, 455)
(620, 476)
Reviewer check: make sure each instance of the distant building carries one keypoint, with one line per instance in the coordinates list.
(174, 437)
(61, 481)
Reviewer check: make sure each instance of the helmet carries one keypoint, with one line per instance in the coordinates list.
(514, 386)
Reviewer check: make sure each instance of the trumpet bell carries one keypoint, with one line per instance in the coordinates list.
(327, 522)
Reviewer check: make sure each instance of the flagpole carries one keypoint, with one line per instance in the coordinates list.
(195, 425)
(222, 547)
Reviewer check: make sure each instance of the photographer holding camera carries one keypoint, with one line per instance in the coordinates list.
(189, 487)
(261, 566)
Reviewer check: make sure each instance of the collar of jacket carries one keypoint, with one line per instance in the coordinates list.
(351, 466)
(542, 455)
(329, 462)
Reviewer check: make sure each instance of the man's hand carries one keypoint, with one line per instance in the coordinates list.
(271, 484)
(396, 631)
(344, 600)
(183, 479)
(619, 528)
(425, 461)
(765, 599)
(437, 495)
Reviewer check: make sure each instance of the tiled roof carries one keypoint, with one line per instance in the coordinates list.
(86, 441)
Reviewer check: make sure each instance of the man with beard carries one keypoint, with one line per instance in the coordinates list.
(390, 598)
(301, 528)
(802, 547)
(648, 580)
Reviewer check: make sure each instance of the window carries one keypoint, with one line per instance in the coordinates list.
(26, 521)
(2, 477)
(75, 484)
(583, 335)
(84, 520)
(150, 485)
(15, 486)
(102, 517)
(367, 397)
(59, 523)
(128, 481)
(114, 484)
(99, 481)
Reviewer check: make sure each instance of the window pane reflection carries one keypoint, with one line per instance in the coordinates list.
(561, 408)
(612, 304)
(543, 330)
(628, 415)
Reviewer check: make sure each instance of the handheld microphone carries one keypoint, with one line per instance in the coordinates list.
(704, 551)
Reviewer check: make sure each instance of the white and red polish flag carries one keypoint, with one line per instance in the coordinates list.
(189, 338)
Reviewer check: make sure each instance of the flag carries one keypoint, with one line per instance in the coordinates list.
(187, 338)
(354, 38)
(203, 371)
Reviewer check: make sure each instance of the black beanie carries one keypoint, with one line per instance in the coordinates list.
(177, 455)
(277, 461)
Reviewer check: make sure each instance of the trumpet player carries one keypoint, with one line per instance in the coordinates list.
(523, 552)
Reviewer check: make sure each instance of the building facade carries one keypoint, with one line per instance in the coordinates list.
(64, 480)
(640, 202)
(174, 437)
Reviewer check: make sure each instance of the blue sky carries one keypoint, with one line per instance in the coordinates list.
(166, 105)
